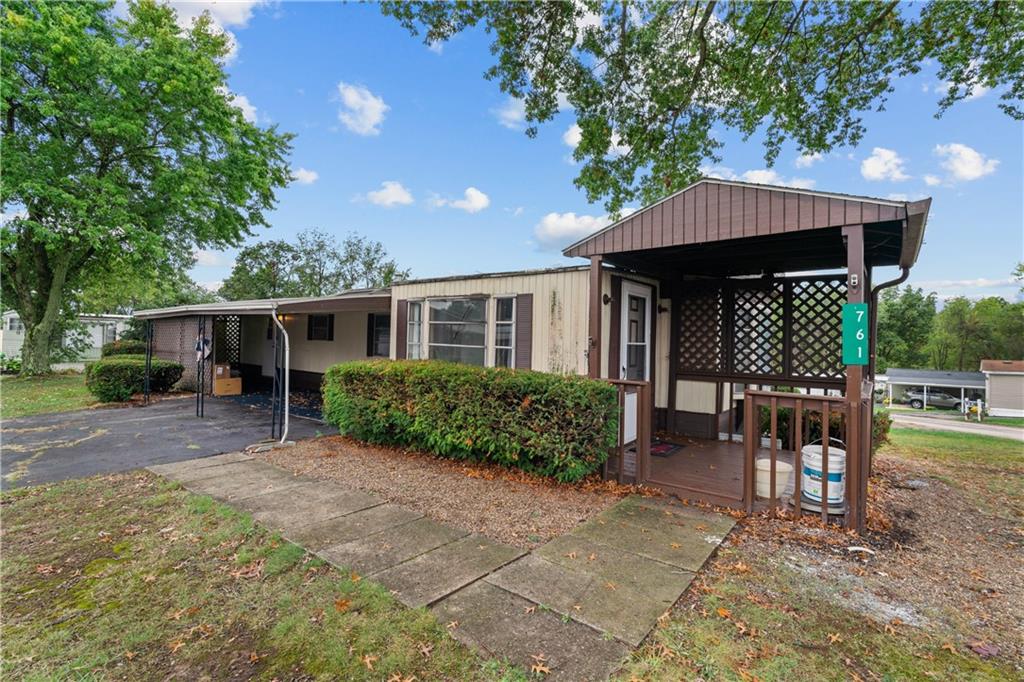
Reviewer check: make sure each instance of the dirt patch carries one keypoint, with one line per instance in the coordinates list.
(508, 506)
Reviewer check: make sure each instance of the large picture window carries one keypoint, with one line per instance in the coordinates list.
(457, 330)
(504, 331)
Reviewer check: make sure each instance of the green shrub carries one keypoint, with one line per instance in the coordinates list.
(118, 378)
(123, 347)
(548, 424)
(812, 425)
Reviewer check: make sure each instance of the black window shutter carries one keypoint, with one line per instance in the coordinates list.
(524, 331)
(401, 329)
(369, 334)
(330, 327)
(309, 327)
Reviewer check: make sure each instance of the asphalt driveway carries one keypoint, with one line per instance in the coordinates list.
(54, 447)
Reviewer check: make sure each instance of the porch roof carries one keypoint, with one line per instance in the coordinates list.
(371, 300)
(723, 227)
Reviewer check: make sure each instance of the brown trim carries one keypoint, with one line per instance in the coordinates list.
(673, 358)
(401, 329)
(615, 329)
(524, 332)
(594, 321)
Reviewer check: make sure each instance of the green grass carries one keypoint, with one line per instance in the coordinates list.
(1005, 421)
(759, 619)
(130, 577)
(22, 396)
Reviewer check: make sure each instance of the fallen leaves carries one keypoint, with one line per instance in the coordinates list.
(611, 586)
(724, 612)
(540, 666)
(47, 569)
(834, 638)
(175, 645)
(983, 649)
(368, 660)
(342, 605)
(250, 570)
(426, 649)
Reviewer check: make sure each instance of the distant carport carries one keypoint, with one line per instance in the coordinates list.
(964, 384)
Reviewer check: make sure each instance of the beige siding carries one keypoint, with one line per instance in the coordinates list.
(307, 356)
(696, 396)
(1006, 392)
(559, 312)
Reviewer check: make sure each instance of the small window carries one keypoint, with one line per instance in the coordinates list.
(414, 339)
(378, 335)
(320, 328)
(504, 332)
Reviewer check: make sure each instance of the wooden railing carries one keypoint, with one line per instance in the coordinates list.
(642, 443)
(853, 432)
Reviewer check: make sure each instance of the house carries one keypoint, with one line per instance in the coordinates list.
(686, 306)
(98, 330)
(959, 386)
(1004, 386)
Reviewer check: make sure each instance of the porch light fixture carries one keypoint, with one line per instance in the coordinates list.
(607, 299)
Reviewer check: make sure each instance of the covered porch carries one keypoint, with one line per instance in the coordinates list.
(718, 313)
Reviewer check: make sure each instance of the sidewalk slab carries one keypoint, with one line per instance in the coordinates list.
(240, 484)
(308, 504)
(499, 623)
(369, 520)
(176, 469)
(389, 547)
(432, 576)
(197, 473)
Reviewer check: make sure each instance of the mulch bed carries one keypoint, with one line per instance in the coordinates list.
(509, 506)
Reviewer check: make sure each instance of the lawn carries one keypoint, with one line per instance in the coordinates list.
(22, 396)
(1005, 421)
(132, 577)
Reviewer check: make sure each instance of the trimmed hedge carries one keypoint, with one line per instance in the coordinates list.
(123, 347)
(548, 424)
(118, 378)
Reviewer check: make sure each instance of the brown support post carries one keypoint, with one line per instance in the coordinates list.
(751, 438)
(856, 475)
(798, 458)
(673, 359)
(773, 449)
(594, 345)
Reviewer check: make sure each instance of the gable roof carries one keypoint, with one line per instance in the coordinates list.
(1007, 366)
(713, 210)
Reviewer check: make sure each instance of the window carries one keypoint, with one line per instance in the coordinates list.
(414, 340)
(378, 336)
(320, 328)
(14, 324)
(504, 332)
(457, 330)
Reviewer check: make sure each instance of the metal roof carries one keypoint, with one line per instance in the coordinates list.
(266, 306)
(489, 275)
(1003, 366)
(934, 377)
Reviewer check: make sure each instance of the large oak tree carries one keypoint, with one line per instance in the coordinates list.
(121, 148)
(649, 80)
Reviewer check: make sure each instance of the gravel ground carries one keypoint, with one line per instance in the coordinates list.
(505, 505)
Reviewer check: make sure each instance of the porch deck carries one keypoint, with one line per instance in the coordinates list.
(710, 470)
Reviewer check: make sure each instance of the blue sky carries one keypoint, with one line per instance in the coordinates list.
(411, 146)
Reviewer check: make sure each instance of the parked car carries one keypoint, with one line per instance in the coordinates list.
(935, 399)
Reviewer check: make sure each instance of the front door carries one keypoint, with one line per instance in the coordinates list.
(635, 347)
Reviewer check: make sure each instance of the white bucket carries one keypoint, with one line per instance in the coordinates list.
(811, 480)
(783, 477)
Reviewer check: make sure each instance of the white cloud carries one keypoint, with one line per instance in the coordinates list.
(573, 135)
(304, 176)
(243, 103)
(902, 196)
(932, 180)
(517, 212)
(223, 15)
(762, 176)
(437, 46)
(362, 111)
(512, 114)
(979, 283)
(472, 201)
(212, 286)
(209, 258)
(964, 163)
(808, 160)
(883, 164)
(560, 229)
(391, 193)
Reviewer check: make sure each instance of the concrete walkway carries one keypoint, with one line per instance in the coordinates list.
(957, 425)
(582, 601)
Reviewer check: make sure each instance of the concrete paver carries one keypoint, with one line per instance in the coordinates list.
(310, 504)
(389, 546)
(359, 524)
(239, 484)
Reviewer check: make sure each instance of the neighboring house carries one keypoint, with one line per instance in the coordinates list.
(99, 329)
(1004, 384)
(921, 384)
(679, 304)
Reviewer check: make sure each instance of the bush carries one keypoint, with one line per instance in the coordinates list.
(548, 424)
(123, 347)
(118, 378)
(9, 365)
(812, 425)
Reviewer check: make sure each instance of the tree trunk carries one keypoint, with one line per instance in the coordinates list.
(39, 330)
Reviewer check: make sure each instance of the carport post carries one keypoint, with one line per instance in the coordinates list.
(890, 394)
(287, 353)
(962, 400)
(149, 355)
(925, 405)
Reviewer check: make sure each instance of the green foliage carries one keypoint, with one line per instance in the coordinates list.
(123, 347)
(122, 149)
(880, 425)
(650, 81)
(905, 319)
(965, 332)
(316, 265)
(553, 425)
(118, 378)
(9, 365)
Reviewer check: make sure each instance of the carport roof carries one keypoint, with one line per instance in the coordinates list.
(353, 299)
(931, 377)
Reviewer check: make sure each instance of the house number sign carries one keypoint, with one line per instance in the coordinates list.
(855, 333)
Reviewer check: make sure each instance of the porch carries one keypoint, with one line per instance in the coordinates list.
(701, 302)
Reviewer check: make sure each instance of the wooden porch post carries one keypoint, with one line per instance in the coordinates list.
(856, 462)
(594, 345)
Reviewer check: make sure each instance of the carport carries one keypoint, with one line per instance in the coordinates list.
(965, 384)
(258, 339)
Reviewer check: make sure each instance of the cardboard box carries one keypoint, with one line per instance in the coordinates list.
(221, 371)
(227, 386)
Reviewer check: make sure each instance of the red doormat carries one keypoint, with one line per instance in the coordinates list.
(660, 448)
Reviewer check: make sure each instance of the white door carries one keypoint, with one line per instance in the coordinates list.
(634, 347)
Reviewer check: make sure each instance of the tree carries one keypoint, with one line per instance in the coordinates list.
(316, 265)
(264, 270)
(121, 149)
(905, 319)
(650, 80)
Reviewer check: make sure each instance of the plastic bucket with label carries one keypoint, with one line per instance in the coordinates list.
(811, 481)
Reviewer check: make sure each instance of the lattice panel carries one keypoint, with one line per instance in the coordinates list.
(817, 342)
(701, 318)
(757, 329)
(227, 340)
(175, 339)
